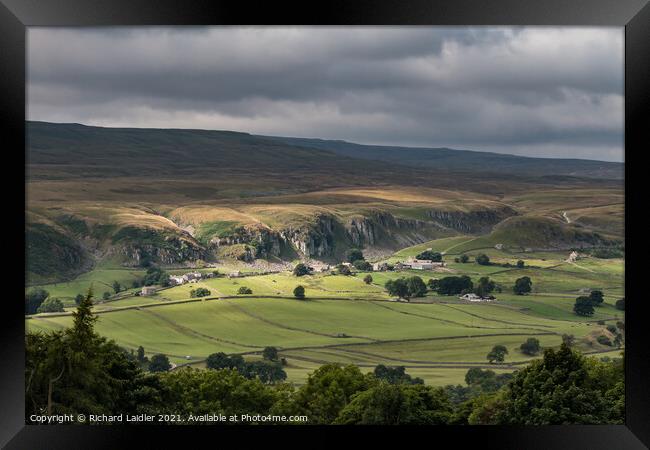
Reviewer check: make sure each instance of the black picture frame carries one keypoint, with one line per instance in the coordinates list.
(634, 15)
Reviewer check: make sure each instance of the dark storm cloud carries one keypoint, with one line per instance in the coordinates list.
(531, 91)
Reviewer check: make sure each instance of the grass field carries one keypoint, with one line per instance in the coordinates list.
(344, 320)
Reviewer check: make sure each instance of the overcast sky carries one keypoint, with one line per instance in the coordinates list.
(535, 91)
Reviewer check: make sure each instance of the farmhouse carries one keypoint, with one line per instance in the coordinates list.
(319, 266)
(401, 266)
(422, 265)
(380, 267)
(148, 290)
(475, 298)
(176, 280)
(235, 274)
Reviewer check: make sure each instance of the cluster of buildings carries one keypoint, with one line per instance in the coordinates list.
(411, 263)
(190, 277)
(476, 298)
(419, 264)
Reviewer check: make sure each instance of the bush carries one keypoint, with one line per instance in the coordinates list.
(416, 286)
(398, 288)
(222, 361)
(611, 329)
(620, 304)
(604, 340)
(530, 347)
(430, 255)
(106, 295)
(266, 371)
(520, 264)
(199, 292)
(367, 279)
(361, 264)
(596, 298)
(159, 363)
(395, 375)
(299, 292)
(454, 285)
(155, 275)
(498, 353)
(270, 353)
(583, 306)
(33, 300)
(301, 269)
(483, 259)
(463, 258)
(51, 305)
(244, 290)
(354, 254)
(522, 286)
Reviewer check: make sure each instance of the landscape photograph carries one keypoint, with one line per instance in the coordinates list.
(325, 225)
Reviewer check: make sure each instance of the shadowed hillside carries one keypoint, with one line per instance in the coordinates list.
(465, 160)
(173, 197)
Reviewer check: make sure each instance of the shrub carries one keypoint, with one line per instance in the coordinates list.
(604, 340)
(530, 347)
(596, 298)
(430, 255)
(34, 299)
(454, 285)
(498, 353)
(416, 286)
(51, 305)
(301, 269)
(299, 292)
(354, 254)
(361, 264)
(244, 290)
(483, 259)
(159, 363)
(620, 304)
(270, 353)
(583, 306)
(367, 279)
(522, 286)
(199, 292)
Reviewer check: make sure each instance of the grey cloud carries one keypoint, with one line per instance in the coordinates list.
(535, 91)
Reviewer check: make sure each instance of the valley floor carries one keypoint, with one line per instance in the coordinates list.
(345, 320)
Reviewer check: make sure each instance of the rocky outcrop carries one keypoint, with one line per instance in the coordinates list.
(141, 245)
(472, 222)
(378, 227)
(315, 239)
(263, 241)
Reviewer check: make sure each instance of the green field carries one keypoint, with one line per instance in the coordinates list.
(344, 320)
